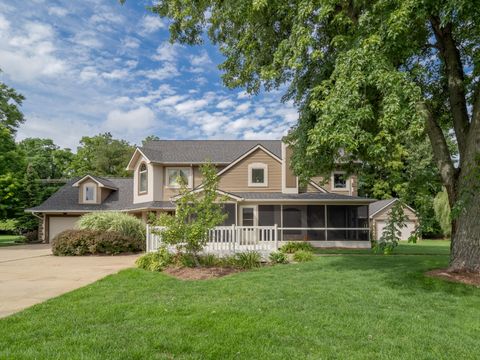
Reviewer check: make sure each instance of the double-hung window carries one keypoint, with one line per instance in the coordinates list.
(257, 175)
(177, 176)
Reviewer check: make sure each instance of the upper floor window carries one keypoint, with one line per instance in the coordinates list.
(257, 174)
(142, 178)
(89, 193)
(177, 176)
(339, 181)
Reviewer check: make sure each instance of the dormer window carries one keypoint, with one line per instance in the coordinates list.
(90, 193)
(339, 180)
(258, 175)
(142, 179)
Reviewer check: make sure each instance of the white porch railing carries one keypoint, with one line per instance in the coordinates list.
(228, 239)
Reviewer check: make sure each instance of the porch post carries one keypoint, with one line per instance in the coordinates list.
(147, 247)
(276, 236)
(233, 237)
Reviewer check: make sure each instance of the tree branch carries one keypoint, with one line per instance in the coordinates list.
(450, 55)
(441, 153)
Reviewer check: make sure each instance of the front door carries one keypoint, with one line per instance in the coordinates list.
(248, 215)
(249, 218)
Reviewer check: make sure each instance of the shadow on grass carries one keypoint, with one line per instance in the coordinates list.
(405, 273)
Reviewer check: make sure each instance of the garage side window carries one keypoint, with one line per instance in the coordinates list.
(89, 193)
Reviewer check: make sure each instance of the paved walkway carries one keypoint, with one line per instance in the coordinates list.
(29, 274)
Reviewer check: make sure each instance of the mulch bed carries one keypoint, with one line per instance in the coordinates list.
(199, 273)
(468, 278)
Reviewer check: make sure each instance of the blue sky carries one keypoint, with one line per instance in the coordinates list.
(92, 66)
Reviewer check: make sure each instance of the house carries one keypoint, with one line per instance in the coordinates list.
(254, 175)
(379, 212)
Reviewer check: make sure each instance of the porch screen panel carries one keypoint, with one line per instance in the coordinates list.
(315, 219)
(229, 209)
(269, 215)
(347, 216)
(294, 216)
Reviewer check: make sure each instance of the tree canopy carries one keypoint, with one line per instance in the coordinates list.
(371, 80)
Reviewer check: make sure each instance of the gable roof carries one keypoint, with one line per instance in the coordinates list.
(377, 206)
(199, 151)
(102, 182)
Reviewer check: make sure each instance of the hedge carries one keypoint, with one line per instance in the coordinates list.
(90, 242)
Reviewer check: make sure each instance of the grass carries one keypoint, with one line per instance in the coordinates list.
(422, 247)
(7, 240)
(336, 307)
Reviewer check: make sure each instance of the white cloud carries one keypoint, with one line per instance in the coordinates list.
(246, 123)
(151, 23)
(4, 23)
(170, 100)
(243, 107)
(131, 120)
(167, 52)
(88, 73)
(88, 39)
(166, 71)
(201, 59)
(225, 104)
(57, 11)
(29, 53)
(190, 106)
(116, 74)
(131, 42)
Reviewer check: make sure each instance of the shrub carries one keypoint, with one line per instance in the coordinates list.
(292, 247)
(186, 260)
(84, 242)
(9, 226)
(31, 236)
(209, 260)
(118, 222)
(278, 257)
(248, 260)
(303, 256)
(155, 261)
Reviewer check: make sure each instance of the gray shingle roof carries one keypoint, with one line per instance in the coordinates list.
(377, 205)
(66, 199)
(302, 196)
(196, 151)
(104, 181)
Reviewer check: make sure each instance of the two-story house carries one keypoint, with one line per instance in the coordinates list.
(254, 175)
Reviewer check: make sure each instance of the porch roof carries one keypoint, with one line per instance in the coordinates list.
(313, 196)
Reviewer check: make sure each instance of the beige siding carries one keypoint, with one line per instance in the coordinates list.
(383, 215)
(81, 189)
(104, 194)
(236, 178)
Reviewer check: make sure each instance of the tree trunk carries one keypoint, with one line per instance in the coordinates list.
(465, 254)
(465, 250)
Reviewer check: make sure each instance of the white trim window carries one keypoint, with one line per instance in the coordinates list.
(177, 174)
(258, 175)
(90, 193)
(142, 179)
(340, 181)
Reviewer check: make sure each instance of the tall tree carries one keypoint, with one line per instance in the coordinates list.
(47, 159)
(366, 75)
(101, 155)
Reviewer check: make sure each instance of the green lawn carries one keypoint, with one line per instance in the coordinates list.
(422, 247)
(345, 307)
(7, 240)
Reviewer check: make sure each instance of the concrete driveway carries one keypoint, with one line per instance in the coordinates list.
(29, 274)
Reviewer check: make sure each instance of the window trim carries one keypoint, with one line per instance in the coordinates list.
(85, 201)
(190, 176)
(255, 214)
(140, 172)
(262, 166)
(347, 181)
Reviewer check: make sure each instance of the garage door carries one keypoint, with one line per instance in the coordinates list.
(57, 224)
(406, 231)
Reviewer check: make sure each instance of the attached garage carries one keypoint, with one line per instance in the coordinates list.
(57, 224)
(379, 212)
